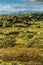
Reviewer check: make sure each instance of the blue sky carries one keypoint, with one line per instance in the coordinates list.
(15, 6)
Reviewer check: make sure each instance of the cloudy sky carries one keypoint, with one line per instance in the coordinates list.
(15, 6)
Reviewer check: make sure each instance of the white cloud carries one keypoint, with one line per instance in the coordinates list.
(11, 8)
(14, 8)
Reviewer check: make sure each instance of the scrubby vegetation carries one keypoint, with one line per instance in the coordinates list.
(21, 39)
